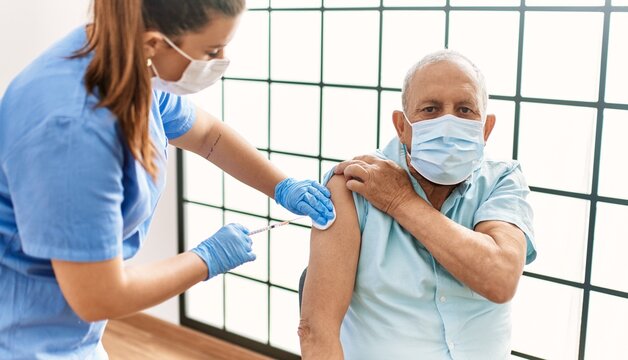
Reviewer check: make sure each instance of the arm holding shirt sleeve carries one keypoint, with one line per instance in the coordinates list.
(191, 128)
(330, 278)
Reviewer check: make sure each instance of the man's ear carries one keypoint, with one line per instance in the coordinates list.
(400, 124)
(152, 43)
(489, 124)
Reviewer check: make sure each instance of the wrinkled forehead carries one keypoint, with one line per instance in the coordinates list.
(445, 80)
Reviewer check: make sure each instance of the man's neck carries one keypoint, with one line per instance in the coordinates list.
(436, 193)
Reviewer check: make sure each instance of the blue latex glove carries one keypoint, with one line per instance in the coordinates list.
(228, 248)
(306, 197)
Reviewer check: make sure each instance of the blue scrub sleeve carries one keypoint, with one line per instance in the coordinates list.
(507, 202)
(177, 113)
(65, 181)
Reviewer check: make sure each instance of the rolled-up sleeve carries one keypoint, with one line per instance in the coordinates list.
(177, 113)
(507, 202)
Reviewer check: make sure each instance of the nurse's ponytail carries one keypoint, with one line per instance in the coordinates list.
(118, 72)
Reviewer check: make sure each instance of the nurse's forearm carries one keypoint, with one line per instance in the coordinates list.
(109, 289)
(219, 143)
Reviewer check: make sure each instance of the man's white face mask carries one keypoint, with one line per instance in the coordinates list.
(198, 75)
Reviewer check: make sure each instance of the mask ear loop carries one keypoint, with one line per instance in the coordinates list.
(177, 48)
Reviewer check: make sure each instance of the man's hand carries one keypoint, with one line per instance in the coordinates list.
(382, 182)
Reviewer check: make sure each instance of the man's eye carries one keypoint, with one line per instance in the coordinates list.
(465, 110)
(429, 109)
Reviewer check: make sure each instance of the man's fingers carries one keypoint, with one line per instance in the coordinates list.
(356, 171)
(356, 186)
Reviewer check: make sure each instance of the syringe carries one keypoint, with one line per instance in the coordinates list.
(266, 228)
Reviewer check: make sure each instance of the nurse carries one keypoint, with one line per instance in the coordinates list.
(83, 137)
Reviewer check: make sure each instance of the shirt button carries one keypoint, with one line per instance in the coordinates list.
(451, 345)
(442, 299)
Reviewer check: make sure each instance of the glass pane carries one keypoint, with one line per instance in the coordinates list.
(246, 110)
(295, 118)
(414, 3)
(257, 269)
(351, 52)
(561, 229)
(564, 2)
(620, 2)
(289, 251)
(202, 180)
(616, 69)
(239, 196)
(246, 303)
(557, 47)
(496, 53)
(209, 99)
(204, 302)
(565, 167)
(248, 50)
(610, 247)
(256, 4)
(295, 3)
(284, 319)
(296, 45)
(201, 222)
(420, 27)
(351, 3)
(546, 319)
(296, 167)
(349, 122)
(390, 101)
(499, 144)
(613, 166)
(607, 327)
(485, 3)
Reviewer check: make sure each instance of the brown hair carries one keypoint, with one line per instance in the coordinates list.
(118, 70)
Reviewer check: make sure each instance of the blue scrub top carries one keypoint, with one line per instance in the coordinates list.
(71, 190)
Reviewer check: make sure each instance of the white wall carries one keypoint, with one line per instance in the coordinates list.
(27, 27)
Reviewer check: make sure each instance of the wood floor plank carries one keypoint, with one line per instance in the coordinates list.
(143, 337)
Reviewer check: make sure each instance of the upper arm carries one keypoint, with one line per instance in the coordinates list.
(509, 238)
(198, 138)
(333, 260)
(507, 204)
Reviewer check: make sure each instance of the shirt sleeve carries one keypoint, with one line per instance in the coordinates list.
(177, 113)
(507, 202)
(65, 181)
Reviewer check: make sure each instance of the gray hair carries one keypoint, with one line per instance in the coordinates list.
(445, 55)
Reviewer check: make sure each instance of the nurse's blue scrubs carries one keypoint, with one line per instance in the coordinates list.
(69, 190)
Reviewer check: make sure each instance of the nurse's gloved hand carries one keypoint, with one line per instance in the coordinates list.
(306, 197)
(226, 249)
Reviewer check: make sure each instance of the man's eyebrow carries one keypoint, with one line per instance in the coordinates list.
(469, 102)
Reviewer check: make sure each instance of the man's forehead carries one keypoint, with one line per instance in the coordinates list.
(445, 77)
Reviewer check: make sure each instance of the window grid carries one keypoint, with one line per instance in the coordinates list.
(600, 105)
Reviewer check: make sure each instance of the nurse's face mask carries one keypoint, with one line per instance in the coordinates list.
(446, 150)
(198, 75)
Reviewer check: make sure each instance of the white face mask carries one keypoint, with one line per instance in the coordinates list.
(446, 150)
(198, 75)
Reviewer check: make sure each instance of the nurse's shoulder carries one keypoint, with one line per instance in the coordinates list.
(49, 99)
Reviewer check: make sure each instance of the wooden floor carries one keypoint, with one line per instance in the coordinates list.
(142, 336)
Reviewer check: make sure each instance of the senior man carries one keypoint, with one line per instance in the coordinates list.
(430, 238)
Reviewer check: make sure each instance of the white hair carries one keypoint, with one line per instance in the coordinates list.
(445, 55)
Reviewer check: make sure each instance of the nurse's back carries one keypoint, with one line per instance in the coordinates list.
(44, 111)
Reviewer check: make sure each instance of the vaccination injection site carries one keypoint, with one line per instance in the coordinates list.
(313, 179)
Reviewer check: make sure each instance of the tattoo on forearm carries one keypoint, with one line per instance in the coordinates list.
(211, 149)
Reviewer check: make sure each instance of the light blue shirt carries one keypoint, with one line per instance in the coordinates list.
(405, 305)
(69, 190)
